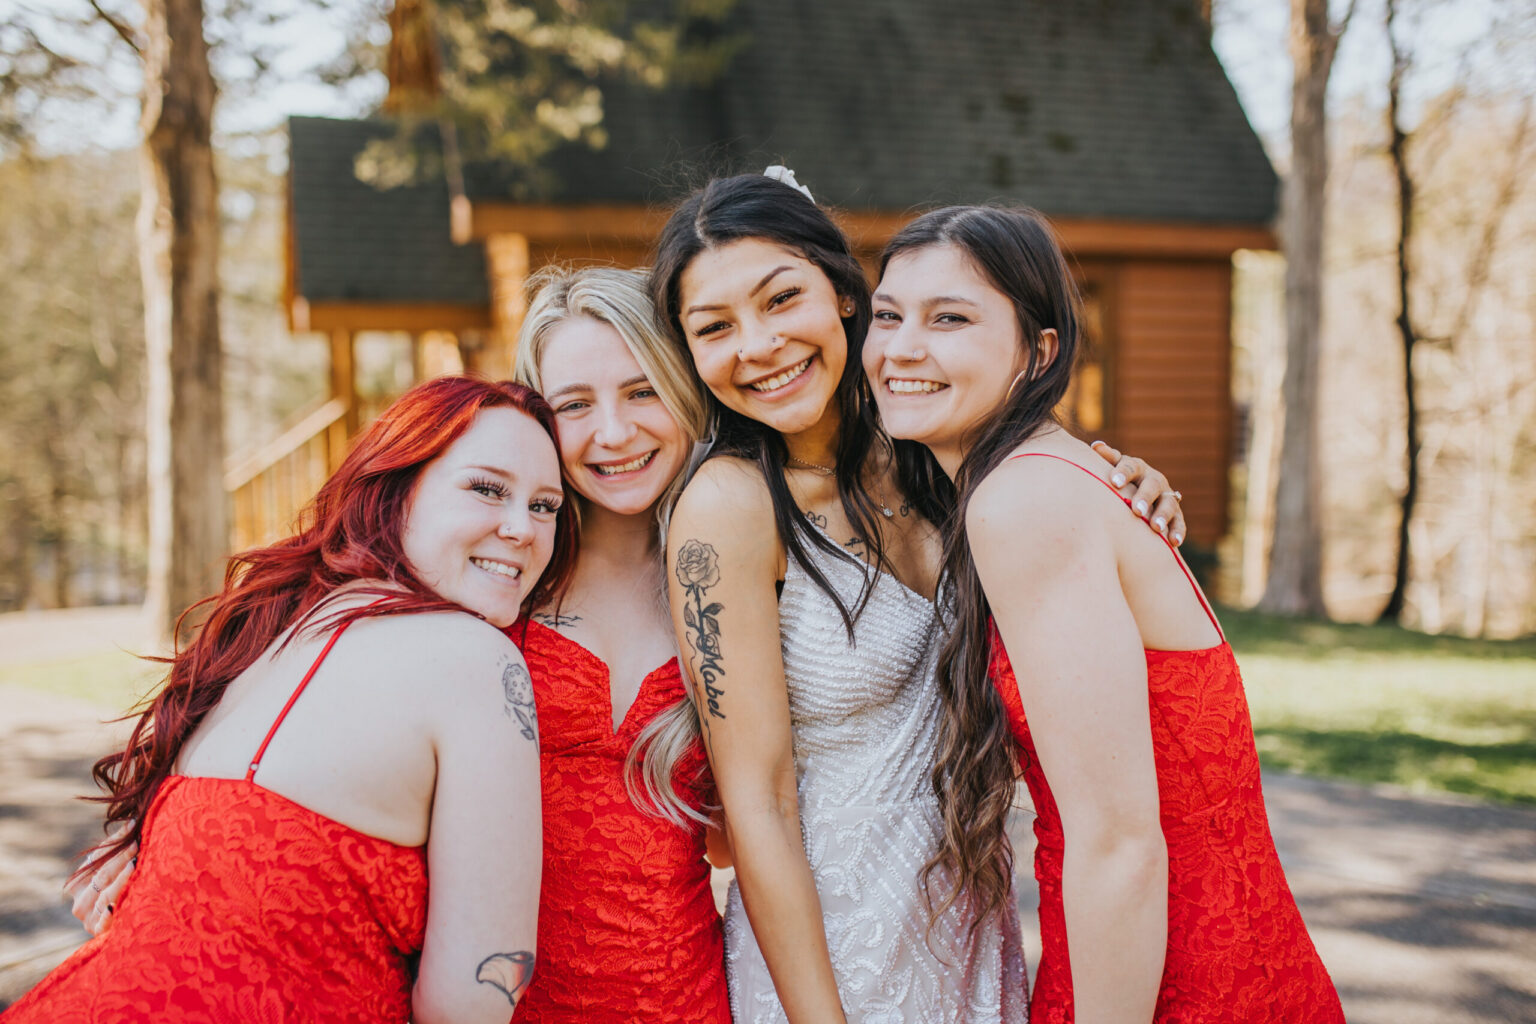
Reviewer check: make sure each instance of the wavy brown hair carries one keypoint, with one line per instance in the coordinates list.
(1016, 252)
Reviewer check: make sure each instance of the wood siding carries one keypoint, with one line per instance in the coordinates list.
(1171, 372)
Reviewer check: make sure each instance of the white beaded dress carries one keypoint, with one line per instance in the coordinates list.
(865, 720)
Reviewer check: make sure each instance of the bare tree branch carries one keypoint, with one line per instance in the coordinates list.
(122, 28)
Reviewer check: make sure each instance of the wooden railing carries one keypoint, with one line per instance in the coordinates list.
(268, 489)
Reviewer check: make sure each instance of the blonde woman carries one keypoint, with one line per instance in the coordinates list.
(627, 924)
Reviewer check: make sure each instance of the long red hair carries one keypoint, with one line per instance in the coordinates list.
(350, 531)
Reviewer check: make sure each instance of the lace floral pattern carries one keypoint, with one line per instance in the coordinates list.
(1237, 948)
(627, 924)
(247, 907)
(865, 729)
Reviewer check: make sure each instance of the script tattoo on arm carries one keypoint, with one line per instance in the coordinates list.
(517, 688)
(698, 569)
(509, 972)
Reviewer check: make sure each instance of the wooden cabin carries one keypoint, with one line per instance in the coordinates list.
(1111, 116)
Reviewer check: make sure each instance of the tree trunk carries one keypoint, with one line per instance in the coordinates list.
(178, 231)
(1295, 584)
(1393, 612)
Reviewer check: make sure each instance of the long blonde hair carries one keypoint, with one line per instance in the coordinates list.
(620, 298)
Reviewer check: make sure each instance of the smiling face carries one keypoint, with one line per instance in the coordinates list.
(481, 521)
(621, 446)
(943, 348)
(764, 327)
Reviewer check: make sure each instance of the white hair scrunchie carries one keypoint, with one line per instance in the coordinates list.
(778, 172)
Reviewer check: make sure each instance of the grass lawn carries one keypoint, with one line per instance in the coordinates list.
(112, 681)
(1372, 703)
(1381, 704)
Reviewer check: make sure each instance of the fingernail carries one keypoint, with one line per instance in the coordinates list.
(1141, 508)
(1160, 523)
(1178, 538)
(1119, 479)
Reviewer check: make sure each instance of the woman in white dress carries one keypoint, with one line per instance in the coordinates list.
(803, 559)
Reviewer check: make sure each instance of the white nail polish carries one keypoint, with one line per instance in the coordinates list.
(1141, 508)
(1160, 523)
(1119, 479)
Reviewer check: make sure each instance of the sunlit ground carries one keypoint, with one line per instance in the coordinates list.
(1380, 704)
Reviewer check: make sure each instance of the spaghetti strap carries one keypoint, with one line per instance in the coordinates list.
(261, 751)
(1199, 594)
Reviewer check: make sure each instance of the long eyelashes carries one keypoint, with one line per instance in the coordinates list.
(485, 485)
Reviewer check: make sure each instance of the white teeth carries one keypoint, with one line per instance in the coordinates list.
(626, 467)
(914, 387)
(773, 383)
(499, 568)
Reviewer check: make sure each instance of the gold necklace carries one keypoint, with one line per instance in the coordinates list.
(819, 470)
(813, 467)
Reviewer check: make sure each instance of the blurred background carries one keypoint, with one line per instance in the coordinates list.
(232, 231)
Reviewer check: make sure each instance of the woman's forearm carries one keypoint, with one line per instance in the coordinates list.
(1115, 896)
(779, 895)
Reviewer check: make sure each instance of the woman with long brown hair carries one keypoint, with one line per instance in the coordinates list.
(1107, 676)
(340, 773)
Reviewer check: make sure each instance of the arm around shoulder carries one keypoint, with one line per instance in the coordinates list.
(485, 848)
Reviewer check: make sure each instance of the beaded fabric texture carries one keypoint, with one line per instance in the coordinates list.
(865, 720)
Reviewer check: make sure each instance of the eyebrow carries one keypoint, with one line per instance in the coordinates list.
(775, 272)
(580, 385)
(492, 470)
(937, 300)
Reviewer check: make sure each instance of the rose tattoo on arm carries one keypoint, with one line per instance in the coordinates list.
(698, 569)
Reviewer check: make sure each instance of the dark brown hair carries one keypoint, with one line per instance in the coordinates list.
(755, 206)
(1016, 252)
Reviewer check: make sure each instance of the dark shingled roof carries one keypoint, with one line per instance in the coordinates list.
(355, 243)
(1085, 108)
(1113, 109)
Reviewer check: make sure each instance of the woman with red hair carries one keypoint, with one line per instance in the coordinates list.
(341, 771)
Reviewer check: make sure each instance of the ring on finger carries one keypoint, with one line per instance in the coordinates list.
(95, 886)
(1175, 495)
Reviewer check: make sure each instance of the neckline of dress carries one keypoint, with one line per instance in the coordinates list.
(645, 681)
(866, 566)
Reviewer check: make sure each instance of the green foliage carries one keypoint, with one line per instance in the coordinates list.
(520, 77)
(1385, 704)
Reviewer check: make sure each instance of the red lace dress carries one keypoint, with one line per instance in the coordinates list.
(628, 929)
(247, 908)
(1237, 948)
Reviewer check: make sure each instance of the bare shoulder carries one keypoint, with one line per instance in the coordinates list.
(447, 643)
(1039, 505)
(726, 497)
